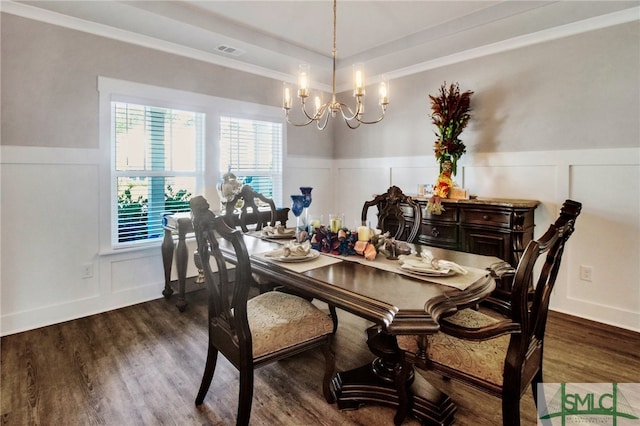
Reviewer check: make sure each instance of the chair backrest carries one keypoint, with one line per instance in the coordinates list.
(391, 217)
(249, 214)
(227, 296)
(532, 314)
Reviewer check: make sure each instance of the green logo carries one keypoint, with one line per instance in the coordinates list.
(589, 403)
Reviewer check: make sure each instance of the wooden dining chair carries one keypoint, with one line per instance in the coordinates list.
(502, 357)
(391, 216)
(251, 332)
(250, 214)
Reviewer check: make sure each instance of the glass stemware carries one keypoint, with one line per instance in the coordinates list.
(306, 191)
(297, 206)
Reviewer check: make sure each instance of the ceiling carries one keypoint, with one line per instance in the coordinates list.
(273, 37)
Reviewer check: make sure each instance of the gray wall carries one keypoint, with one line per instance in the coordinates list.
(579, 92)
(49, 78)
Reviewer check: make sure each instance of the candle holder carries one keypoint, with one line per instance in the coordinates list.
(306, 192)
(297, 206)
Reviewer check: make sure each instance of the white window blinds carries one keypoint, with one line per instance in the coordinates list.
(252, 150)
(157, 166)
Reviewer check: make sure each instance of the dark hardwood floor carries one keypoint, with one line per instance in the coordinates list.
(142, 365)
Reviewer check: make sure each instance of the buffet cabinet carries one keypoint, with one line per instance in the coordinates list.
(488, 226)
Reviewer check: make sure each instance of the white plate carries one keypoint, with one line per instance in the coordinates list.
(291, 259)
(429, 272)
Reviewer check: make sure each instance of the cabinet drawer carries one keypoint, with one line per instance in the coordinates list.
(438, 234)
(492, 218)
(449, 214)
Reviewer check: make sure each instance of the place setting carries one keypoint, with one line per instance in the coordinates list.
(429, 266)
(424, 265)
(277, 233)
(293, 252)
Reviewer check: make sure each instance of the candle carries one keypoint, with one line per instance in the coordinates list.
(286, 103)
(335, 223)
(363, 233)
(358, 80)
(303, 81)
(384, 95)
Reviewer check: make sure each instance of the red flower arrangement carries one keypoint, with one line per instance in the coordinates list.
(450, 114)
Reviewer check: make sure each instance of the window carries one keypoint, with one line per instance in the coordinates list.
(156, 167)
(160, 146)
(252, 150)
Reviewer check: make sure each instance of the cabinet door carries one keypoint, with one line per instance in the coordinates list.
(439, 234)
(487, 243)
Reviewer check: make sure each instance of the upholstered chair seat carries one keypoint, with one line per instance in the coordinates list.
(483, 359)
(280, 320)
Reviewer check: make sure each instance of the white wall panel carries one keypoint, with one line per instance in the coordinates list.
(517, 181)
(408, 178)
(49, 232)
(607, 238)
(354, 186)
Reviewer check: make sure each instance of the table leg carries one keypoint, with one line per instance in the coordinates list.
(181, 266)
(167, 260)
(390, 380)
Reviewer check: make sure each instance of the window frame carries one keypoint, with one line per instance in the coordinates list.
(148, 174)
(110, 89)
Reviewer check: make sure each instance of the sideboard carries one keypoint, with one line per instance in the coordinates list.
(490, 226)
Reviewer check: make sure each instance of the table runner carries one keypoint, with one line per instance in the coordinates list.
(459, 281)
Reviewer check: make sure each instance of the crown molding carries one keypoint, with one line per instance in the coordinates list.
(567, 30)
(556, 33)
(70, 22)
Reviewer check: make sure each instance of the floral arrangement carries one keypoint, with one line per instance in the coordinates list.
(345, 242)
(450, 113)
(339, 243)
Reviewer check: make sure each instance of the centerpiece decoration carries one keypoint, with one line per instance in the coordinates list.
(345, 242)
(450, 114)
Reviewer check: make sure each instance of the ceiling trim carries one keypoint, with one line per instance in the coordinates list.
(562, 31)
(54, 18)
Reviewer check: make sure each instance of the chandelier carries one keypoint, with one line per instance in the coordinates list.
(323, 111)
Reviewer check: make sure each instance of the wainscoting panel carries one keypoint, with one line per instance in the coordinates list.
(354, 186)
(45, 208)
(607, 239)
(537, 182)
(408, 178)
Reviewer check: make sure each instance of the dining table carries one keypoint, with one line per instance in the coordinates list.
(395, 301)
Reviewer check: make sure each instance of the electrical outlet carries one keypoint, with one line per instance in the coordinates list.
(87, 270)
(586, 273)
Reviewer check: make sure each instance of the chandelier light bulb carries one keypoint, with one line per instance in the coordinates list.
(358, 80)
(286, 97)
(384, 92)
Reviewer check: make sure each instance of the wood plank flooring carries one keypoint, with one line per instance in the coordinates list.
(142, 365)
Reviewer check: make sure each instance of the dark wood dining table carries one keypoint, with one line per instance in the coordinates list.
(396, 304)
